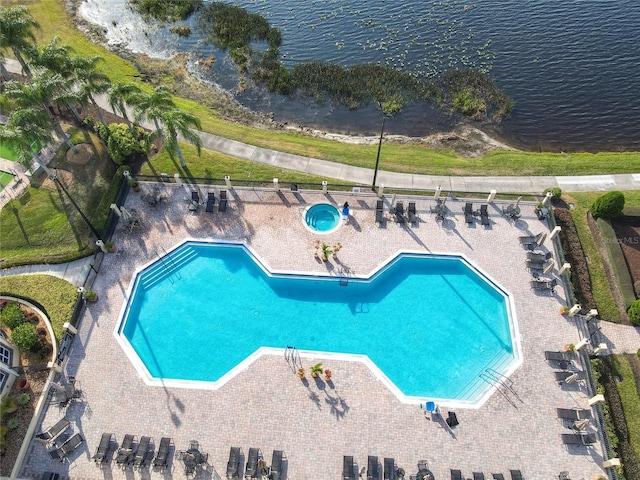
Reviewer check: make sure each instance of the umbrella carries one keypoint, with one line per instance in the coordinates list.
(517, 202)
(126, 214)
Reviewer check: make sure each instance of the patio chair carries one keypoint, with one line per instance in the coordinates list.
(142, 458)
(478, 476)
(107, 441)
(539, 257)
(456, 475)
(578, 439)
(233, 465)
(516, 475)
(543, 285)
(528, 239)
(67, 448)
(389, 469)
(399, 212)
(379, 212)
(569, 377)
(222, 206)
(372, 467)
(162, 457)
(558, 356)
(348, 469)
(452, 420)
(484, 215)
(276, 465)
(195, 196)
(126, 451)
(211, 201)
(48, 436)
(251, 470)
(497, 476)
(468, 213)
(411, 213)
(573, 413)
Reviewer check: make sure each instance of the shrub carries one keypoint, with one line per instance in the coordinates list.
(12, 423)
(556, 192)
(23, 398)
(12, 315)
(634, 313)
(123, 142)
(24, 336)
(608, 205)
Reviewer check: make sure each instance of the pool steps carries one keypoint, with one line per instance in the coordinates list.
(167, 266)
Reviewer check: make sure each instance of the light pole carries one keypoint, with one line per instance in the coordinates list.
(86, 220)
(375, 171)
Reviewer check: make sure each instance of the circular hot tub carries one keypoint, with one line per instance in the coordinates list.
(322, 218)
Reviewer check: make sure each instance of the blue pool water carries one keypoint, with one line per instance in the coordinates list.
(322, 217)
(430, 323)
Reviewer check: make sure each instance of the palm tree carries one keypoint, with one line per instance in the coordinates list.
(177, 121)
(16, 33)
(151, 106)
(119, 95)
(89, 81)
(27, 127)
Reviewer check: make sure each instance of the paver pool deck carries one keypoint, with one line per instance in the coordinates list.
(316, 423)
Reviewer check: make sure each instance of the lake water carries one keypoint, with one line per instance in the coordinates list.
(572, 67)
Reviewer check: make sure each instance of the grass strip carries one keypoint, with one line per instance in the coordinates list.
(630, 399)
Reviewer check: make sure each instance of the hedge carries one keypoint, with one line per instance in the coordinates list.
(618, 262)
(608, 205)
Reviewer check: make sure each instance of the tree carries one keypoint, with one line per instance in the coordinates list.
(16, 33)
(89, 81)
(151, 106)
(177, 121)
(27, 127)
(119, 95)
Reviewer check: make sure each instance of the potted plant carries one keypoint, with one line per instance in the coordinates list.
(326, 251)
(301, 372)
(91, 296)
(336, 248)
(133, 183)
(110, 246)
(564, 310)
(22, 383)
(327, 374)
(316, 370)
(569, 347)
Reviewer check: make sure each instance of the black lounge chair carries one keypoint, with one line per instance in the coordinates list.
(456, 475)
(348, 469)
(195, 196)
(478, 476)
(399, 212)
(143, 454)
(276, 465)
(162, 457)
(372, 467)
(411, 213)
(516, 475)
(233, 465)
(251, 470)
(49, 435)
(573, 413)
(484, 215)
(69, 446)
(211, 201)
(468, 213)
(569, 377)
(452, 420)
(107, 441)
(543, 285)
(528, 239)
(578, 439)
(538, 264)
(222, 206)
(379, 212)
(539, 257)
(126, 450)
(389, 469)
(497, 476)
(558, 356)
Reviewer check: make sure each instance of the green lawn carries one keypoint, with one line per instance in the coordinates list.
(630, 399)
(5, 179)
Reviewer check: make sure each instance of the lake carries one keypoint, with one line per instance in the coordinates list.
(572, 67)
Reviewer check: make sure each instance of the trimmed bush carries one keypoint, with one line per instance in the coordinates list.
(608, 205)
(12, 315)
(556, 192)
(24, 336)
(634, 313)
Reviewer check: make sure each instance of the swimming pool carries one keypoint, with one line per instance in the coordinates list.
(429, 325)
(322, 218)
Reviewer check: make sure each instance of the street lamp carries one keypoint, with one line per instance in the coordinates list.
(375, 171)
(84, 217)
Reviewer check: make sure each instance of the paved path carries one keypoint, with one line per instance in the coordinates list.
(73, 272)
(621, 338)
(364, 176)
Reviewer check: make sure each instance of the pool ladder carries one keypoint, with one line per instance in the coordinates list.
(498, 380)
(292, 357)
(344, 281)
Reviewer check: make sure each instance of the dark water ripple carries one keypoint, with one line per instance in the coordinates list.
(572, 66)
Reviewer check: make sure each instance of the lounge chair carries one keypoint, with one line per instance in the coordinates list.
(389, 469)
(348, 469)
(516, 475)
(497, 476)
(195, 196)
(558, 356)
(478, 476)
(211, 201)
(456, 475)
(538, 264)
(53, 432)
(379, 212)
(372, 467)
(399, 212)
(106, 442)
(484, 215)
(468, 213)
(569, 377)
(543, 285)
(222, 206)
(142, 458)
(251, 470)
(276, 465)
(529, 239)
(573, 413)
(539, 257)
(69, 446)
(452, 420)
(162, 457)
(126, 450)
(578, 439)
(411, 213)
(233, 465)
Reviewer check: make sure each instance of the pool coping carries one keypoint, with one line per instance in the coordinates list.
(143, 372)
